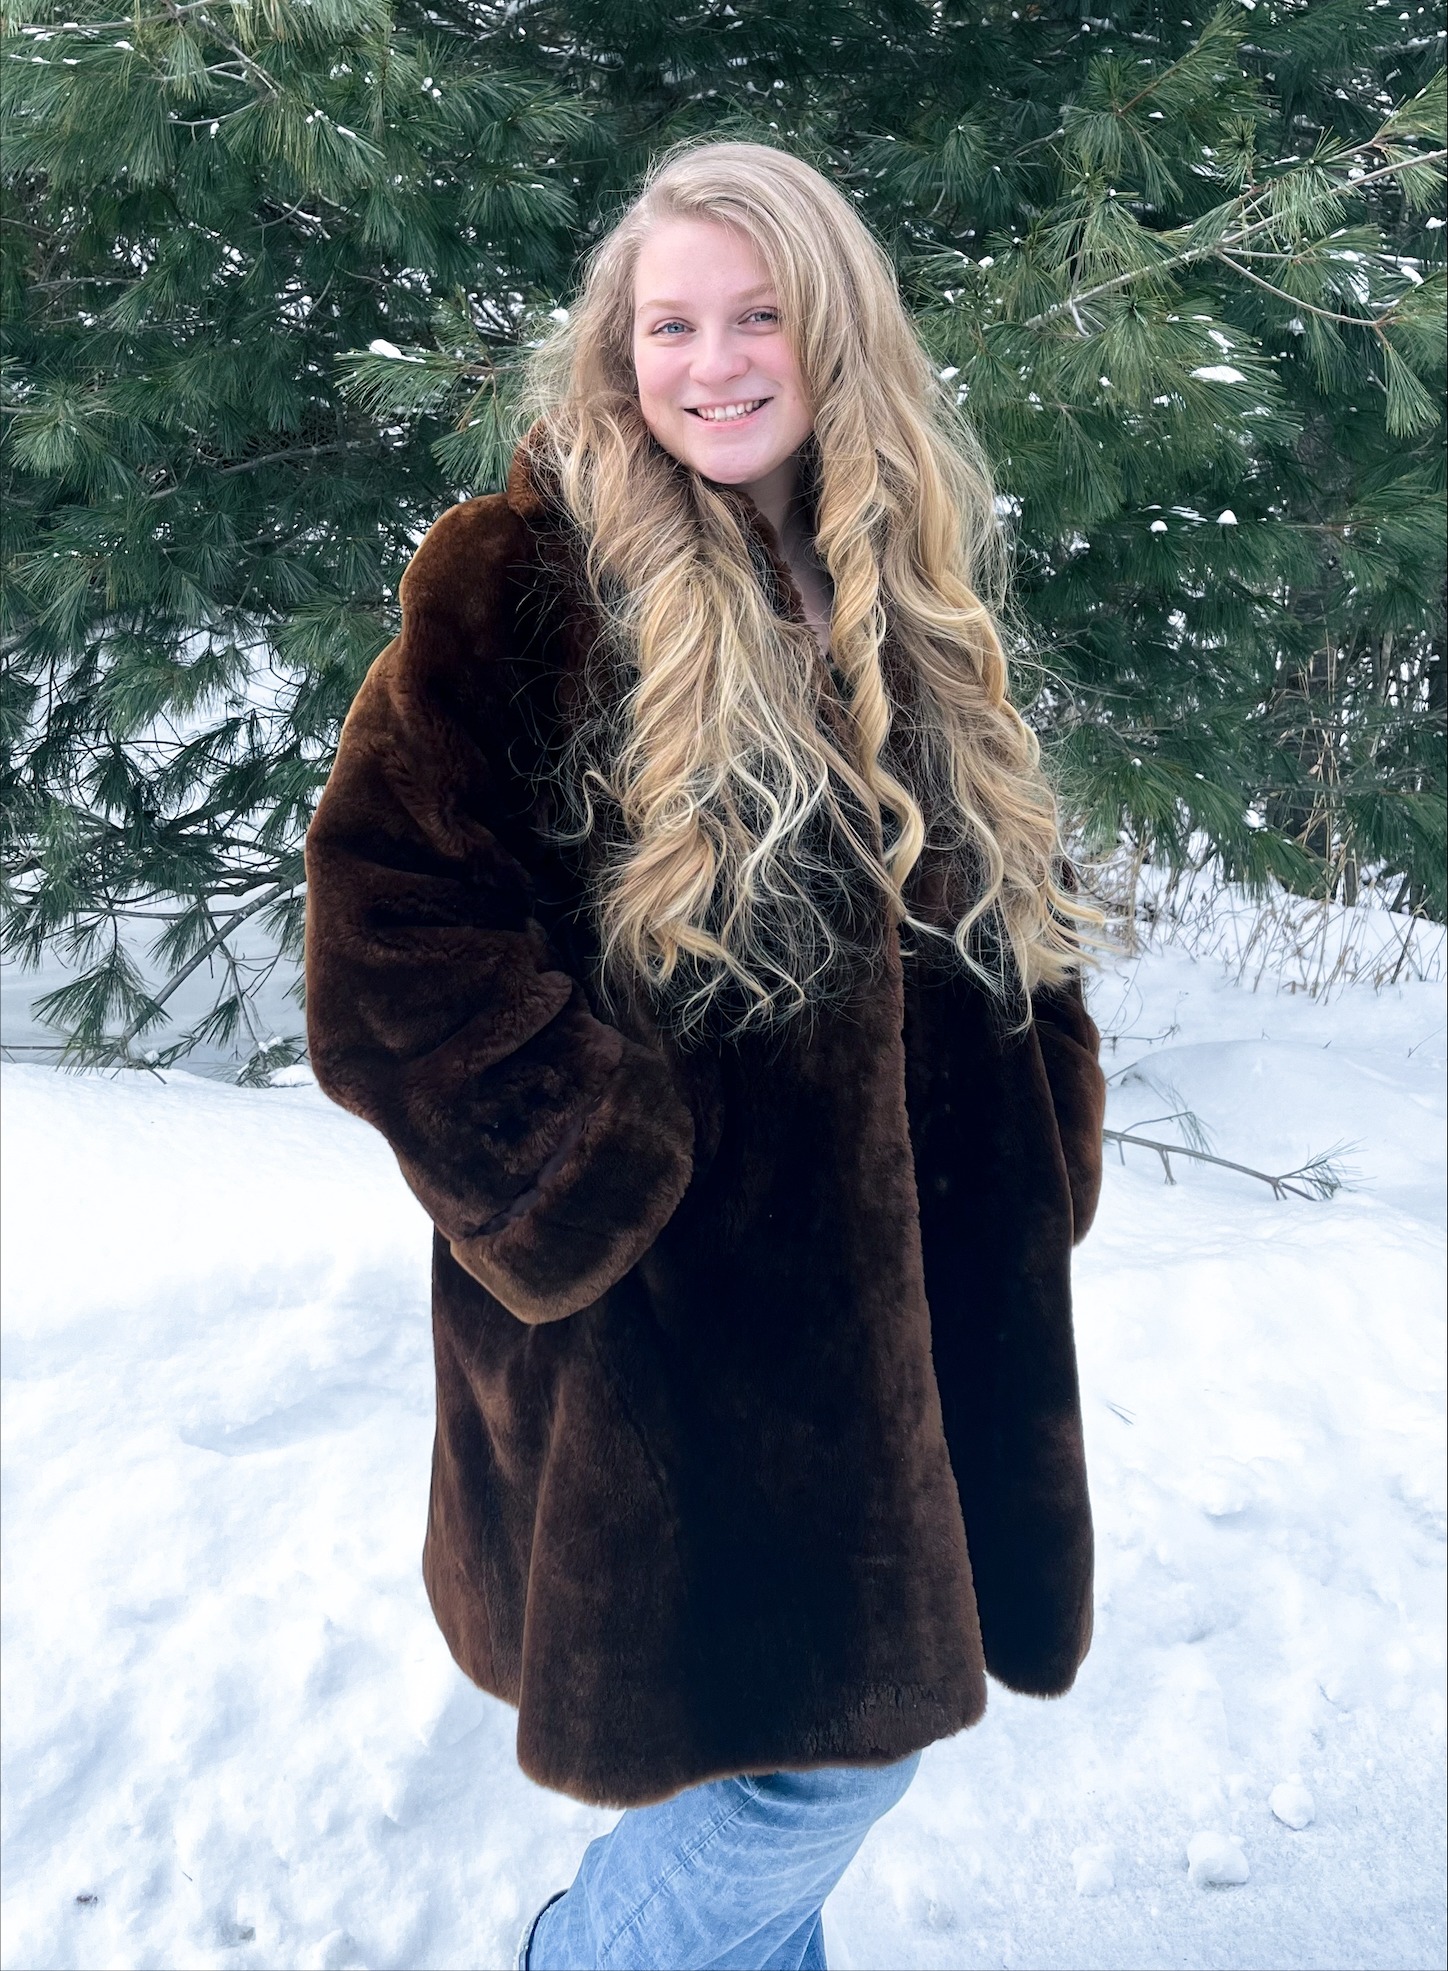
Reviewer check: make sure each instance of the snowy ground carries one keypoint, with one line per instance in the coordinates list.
(233, 1737)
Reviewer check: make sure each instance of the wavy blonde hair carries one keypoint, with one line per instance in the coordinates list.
(755, 809)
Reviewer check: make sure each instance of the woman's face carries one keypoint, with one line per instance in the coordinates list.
(718, 383)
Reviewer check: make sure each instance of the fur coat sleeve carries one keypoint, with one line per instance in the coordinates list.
(1070, 1043)
(548, 1148)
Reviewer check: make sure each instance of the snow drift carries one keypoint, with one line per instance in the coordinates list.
(233, 1736)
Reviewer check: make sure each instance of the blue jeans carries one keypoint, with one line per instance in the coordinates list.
(729, 1875)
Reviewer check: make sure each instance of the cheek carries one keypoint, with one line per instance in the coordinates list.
(655, 370)
(800, 417)
(787, 370)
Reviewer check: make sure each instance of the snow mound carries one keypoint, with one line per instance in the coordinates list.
(1292, 1803)
(1216, 1860)
(1095, 1866)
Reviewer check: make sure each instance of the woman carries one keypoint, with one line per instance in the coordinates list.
(686, 907)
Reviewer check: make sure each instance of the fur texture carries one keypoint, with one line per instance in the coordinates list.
(758, 1437)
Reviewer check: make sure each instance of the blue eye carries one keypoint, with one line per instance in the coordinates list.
(663, 326)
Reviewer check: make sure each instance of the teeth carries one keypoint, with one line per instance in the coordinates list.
(722, 413)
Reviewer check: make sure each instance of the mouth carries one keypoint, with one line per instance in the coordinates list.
(727, 413)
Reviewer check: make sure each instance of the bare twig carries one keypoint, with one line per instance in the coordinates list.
(1315, 1179)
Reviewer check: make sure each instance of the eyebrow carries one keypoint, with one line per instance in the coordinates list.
(679, 307)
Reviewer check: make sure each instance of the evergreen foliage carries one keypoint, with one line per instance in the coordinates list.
(268, 265)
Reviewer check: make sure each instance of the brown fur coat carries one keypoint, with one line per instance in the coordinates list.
(758, 1439)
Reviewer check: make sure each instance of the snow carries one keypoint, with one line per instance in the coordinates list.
(1302, 943)
(1095, 1864)
(1292, 1803)
(1219, 373)
(1216, 1861)
(233, 1736)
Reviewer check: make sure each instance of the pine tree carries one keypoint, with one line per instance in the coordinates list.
(206, 206)
(268, 269)
(1205, 344)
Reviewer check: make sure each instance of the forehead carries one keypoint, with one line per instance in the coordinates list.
(698, 261)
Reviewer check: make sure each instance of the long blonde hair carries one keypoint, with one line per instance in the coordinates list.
(748, 804)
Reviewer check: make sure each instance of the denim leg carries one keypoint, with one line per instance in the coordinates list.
(804, 1951)
(726, 1877)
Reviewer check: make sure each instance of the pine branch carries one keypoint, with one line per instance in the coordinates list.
(270, 458)
(1217, 248)
(1320, 1175)
(155, 1001)
(253, 68)
(1307, 307)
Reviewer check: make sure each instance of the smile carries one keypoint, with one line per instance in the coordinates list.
(726, 413)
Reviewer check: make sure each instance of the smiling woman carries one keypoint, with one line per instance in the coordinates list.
(738, 381)
(687, 908)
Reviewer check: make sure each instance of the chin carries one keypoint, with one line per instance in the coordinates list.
(724, 474)
(730, 465)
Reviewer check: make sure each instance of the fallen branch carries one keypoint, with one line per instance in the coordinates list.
(1319, 1177)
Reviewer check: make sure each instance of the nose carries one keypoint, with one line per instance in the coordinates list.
(718, 359)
